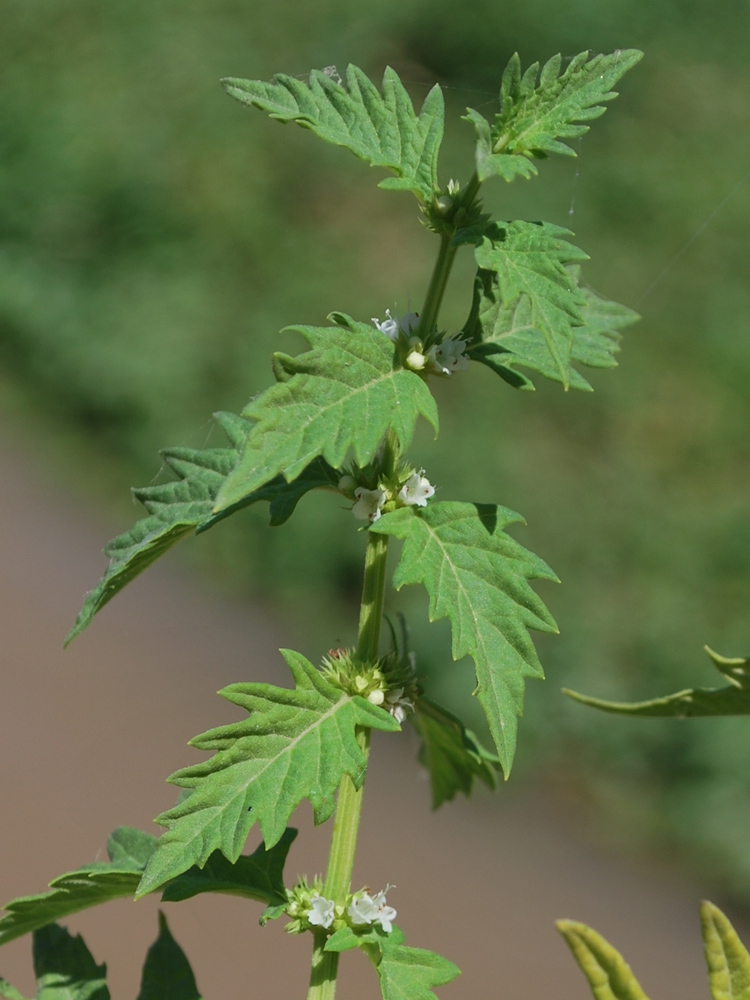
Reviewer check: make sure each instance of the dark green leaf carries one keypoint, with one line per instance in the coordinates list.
(726, 956)
(692, 702)
(381, 130)
(183, 506)
(506, 336)
(477, 576)
(296, 744)
(607, 972)
(255, 876)
(166, 973)
(129, 851)
(64, 967)
(346, 392)
(451, 753)
(537, 111)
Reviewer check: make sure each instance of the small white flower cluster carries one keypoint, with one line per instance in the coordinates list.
(441, 359)
(363, 909)
(368, 505)
(366, 909)
(393, 702)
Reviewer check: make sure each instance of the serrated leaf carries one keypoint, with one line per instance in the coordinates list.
(256, 876)
(91, 885)
(405, 973)
(296, 744)
(412, 973)
(692, 702)
(506, 336)
(489, 164)
(184, 506)
(166, 972)
(382, 130)
(346, 392)
(607, 972)
(726, 956)
(477, 576)
(539, 110)
(529, 260)
(65, 968)
(451, 753)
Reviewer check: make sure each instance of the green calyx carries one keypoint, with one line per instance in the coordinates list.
(389, 682)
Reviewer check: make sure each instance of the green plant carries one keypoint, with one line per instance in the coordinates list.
(340, 417)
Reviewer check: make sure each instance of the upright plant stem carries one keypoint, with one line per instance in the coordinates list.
(349, 804)
(438, 281)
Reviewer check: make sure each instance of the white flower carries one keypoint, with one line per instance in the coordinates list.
(367, 909)
(369, 502)
(321, 911)
(393, 325)
(397, 705)
(416, 491)
(448, 356)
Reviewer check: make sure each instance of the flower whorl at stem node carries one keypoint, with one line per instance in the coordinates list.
(389, 683)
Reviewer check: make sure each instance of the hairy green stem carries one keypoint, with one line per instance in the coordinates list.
(349, 803)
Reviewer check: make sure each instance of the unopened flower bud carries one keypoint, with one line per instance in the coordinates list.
(443, 204)
(376, 697)
(416, 361)
(347, 484)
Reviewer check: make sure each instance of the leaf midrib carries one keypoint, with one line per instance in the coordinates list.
(345, 700)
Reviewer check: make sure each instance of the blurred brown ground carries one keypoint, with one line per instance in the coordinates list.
(88, 736)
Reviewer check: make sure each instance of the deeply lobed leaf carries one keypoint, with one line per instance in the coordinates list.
(296, 744)
(382, 130)
(692, 702)
(185, 506)
(726, 956)
(505, 337)
(129, 851)
(347, 392)
(452, 754)
(607, 972)
(538, 110)
(477, 576)
(166, 972)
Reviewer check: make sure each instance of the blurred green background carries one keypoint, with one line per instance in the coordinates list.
(155, 236)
